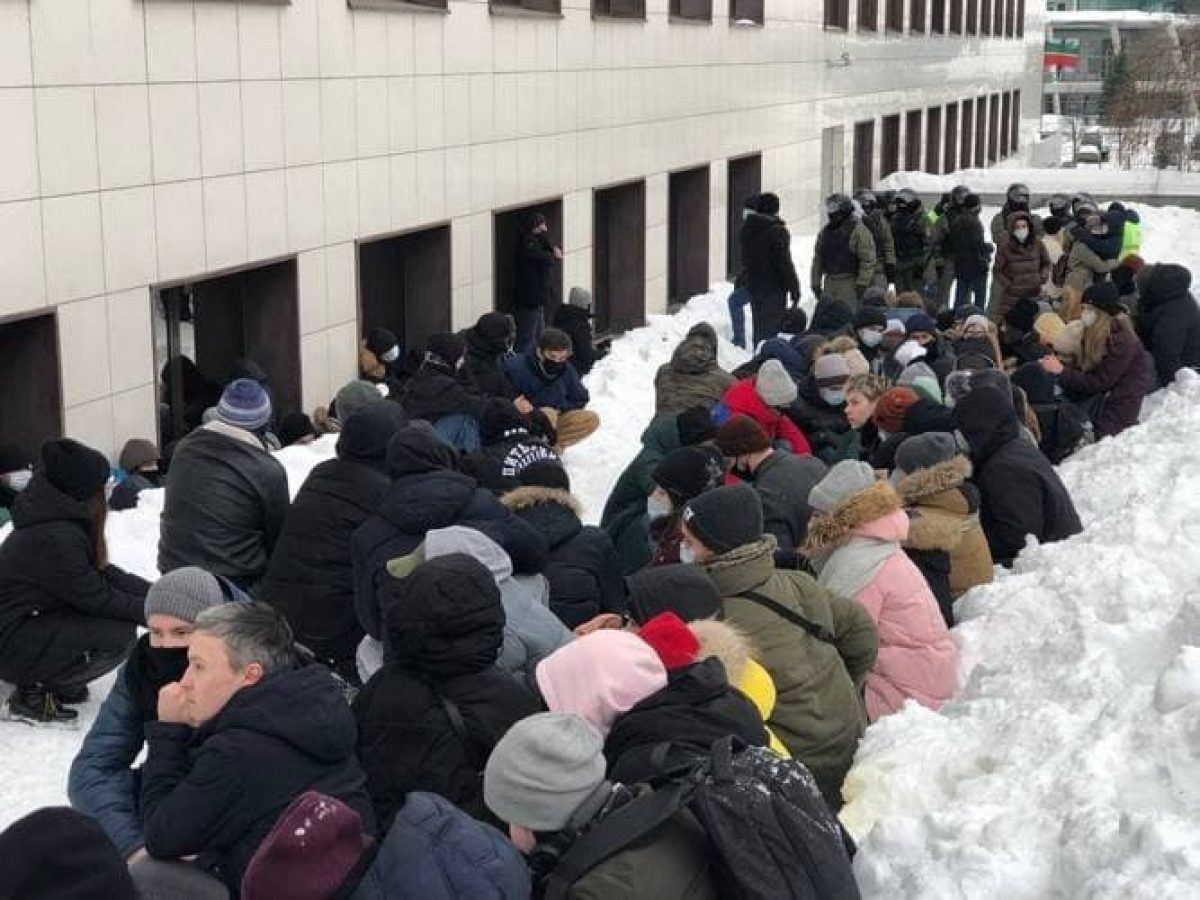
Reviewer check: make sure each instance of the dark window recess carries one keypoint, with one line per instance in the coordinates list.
(864, 155)
(956, 17)
(966, 132)
(29, 388)
(1020, 18)
(746, 11)
(933, 140)
(619, 9)
(916, 16)
(981, 123)
(994, 129)
(404, 285)
(389, 4)
(837, 14)
(912, 141)
(937, 17)
(868, 15)
(744, 181)
(894, 16)
(972, 17)
(998, 18)
(542, 6)
(699, 10)
(687, 234)
(1010, 12)
(889, 156)
(1016, 121)
(951, 138)
(508, 231)
(1005, 123)
(619, 257)
(985, 18)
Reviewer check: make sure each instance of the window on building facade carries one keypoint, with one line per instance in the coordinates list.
(864, 155)
(912, 141)
(994, 129)
(889, 151)
(697, 10)
(950, 162)
(894, 17)
(837, 14)
(746, 11)
(542, 6)
(966, 131)
(956, 17)
(400, 4)
(985, 17)
(981, 122)
(1015, 129)
(916, 16)
(1005, 123)
(972, 26)
(937, 17)
(868, 15)
(933, 140)
(1010, 14)
(998, 17)
(1020, 18)
(619, 9)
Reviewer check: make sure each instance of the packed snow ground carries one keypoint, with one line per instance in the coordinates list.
(1068, 765)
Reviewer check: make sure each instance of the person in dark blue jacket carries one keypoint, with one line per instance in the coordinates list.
(103, 783)
(548, 381)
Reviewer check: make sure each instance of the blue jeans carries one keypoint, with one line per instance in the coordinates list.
(459, 431)
(737, 314)
(965, 287)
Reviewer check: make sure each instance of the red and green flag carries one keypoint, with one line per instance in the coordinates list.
(1061, 55)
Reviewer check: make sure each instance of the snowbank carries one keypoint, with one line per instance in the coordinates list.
(1044, 182)
(1069, 765)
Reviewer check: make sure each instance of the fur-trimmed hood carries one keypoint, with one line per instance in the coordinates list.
(934, 480)
(726, 643)
(530, 496)
(858, 510)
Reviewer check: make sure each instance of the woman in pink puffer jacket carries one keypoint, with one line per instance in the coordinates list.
(854, 543)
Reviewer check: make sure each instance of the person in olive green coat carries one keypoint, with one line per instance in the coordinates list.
(818, 713)
(844, 262)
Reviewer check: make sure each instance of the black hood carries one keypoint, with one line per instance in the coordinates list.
(365, 435)
(696, 708)
(1036, 382)
(556, 521)
(500, 420)
(687, 591)
(301, 707)
(1166, 282)
(42, 502)
(926, 416)
(416, 448)
(431, 499)
(831, 317)
(491, 335)
(987, 419)
(757, 224)
(446, 618)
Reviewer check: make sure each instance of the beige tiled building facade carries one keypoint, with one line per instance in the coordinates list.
(270, 179)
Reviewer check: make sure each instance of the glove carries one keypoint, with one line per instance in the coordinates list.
(890, 270)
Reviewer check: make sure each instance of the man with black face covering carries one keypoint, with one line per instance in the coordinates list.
(843, 264)
(102, 783)
(547, 381)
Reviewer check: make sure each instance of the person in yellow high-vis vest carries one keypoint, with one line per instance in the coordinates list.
(1131, 233)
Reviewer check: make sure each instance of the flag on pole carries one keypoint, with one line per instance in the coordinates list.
(1061, 54)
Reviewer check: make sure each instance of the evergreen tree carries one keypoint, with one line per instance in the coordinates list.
(1115, 90)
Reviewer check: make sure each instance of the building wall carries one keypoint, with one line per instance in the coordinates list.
(148, 141)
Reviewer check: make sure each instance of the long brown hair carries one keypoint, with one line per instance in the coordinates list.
(98, 512)
(1094, 346)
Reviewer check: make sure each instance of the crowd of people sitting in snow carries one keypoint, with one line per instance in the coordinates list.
(425, 676)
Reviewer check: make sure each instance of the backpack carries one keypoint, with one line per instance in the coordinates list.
(1058, 272)
(1070, 429)
(771, 834)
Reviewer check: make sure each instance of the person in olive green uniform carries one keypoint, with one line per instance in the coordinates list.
(885, 245)
(844, 261)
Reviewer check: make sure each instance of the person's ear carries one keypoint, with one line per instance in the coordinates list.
(253, 674)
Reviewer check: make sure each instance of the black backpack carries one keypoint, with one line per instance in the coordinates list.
(1070, 428)
(772, 835)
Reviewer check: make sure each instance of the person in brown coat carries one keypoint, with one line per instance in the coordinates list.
(692, 377)
(1022, 263)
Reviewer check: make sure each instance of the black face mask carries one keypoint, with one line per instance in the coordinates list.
(165, 665)
(151, 668)
(553, 368)
(155, 478)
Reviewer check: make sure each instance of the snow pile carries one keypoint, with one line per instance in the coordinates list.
(1043, 182)
(1069, 765)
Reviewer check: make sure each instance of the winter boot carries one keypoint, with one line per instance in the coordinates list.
(38, 706)
(72, 696)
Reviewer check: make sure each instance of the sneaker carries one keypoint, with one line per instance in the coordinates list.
(72, 696)
(38, 706)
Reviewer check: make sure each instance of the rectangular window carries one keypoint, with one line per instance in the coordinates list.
(1005, 123)
(981, 122)
(951, 137)
(889, 158)
(1015, 129)
(912, 141)
(998, 18)
(746, 11)
(966, 131)
(1020, 18)
(972, 17)
(837, 14)
(696, 10)
(956, 17)
(895, 15)
(937, 17)
(1010, 13)
(400, 4)
(933, 140)
(916, 16)
(994, 129)
(864, 155)
(619, 9)
(868, 15)
(985, 18)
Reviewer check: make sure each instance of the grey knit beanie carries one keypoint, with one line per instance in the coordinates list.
(774, 385)
(848, 477)
(923, 451)
(543, 770)
(184, 594)
(353, 396)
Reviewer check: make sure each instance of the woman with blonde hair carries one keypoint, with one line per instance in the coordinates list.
(862, 393)
(1111, 374)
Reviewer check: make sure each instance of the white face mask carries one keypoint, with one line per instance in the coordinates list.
(391, 356)
(687, 555)
(18, 480)
(1020, 233)
(1088, 317)
(833, 397)
(870, 337)
(657, 507)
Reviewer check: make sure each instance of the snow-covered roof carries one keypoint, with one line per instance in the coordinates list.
(1123, 17)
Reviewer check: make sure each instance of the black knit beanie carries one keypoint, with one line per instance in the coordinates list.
(690, 471)
(58, 852)
(725, 518)
(74, 468)
(695, 425)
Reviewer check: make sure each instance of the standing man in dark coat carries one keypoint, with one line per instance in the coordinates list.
(1169, 320)
(1021, 494)
(769, 274)
(536, 259)
(226, 495)
(245, 732)
(310, 579)
(970, 252)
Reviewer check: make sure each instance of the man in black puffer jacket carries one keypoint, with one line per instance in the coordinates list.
(226, 496)
(242, 734)
(428, 492)
(310, 579)
(1021, 494)
(768, 271)
(489, 343)
(508, 449)
(1168, 321)
(428, 719)
(584, 574)
(438, 395)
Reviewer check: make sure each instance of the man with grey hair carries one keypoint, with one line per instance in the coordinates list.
(245, 731)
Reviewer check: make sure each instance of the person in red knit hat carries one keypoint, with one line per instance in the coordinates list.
(671, 639)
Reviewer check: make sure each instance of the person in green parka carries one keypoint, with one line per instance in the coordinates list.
(624, 516)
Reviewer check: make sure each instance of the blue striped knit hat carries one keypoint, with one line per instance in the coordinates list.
(245, 404)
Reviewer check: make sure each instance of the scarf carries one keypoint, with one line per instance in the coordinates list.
(849, 568)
